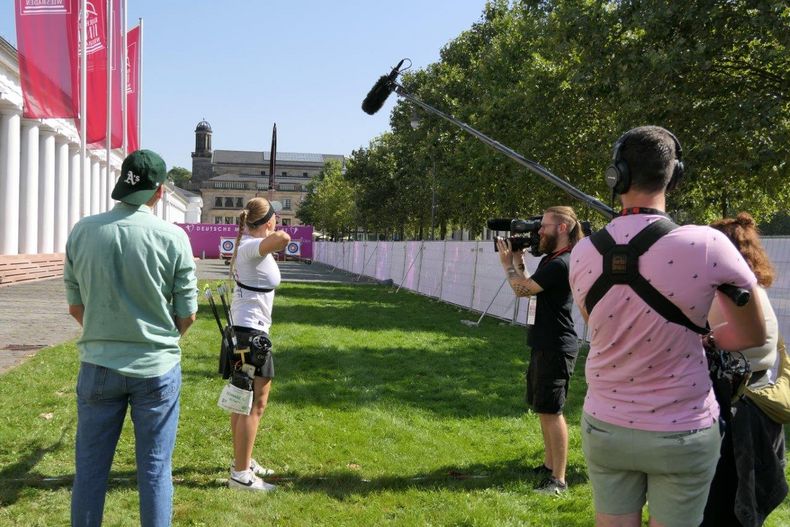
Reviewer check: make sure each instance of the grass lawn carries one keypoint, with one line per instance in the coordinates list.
(386, 410)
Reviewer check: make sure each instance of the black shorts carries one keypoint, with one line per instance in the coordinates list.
(243, 336)
(548, 376)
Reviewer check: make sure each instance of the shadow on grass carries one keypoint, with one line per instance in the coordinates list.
(344, 484)
(339, 485)
(19, 475)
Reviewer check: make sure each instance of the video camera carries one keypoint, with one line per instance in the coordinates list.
(523, 233)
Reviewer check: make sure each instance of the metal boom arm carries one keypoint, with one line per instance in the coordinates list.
(530, 165)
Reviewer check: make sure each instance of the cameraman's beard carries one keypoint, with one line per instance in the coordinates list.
(548, 244)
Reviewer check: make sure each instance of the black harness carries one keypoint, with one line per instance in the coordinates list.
(729, 374)
(621, 266)
(256, 289)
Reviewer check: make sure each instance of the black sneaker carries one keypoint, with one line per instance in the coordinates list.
(551, 486)
(541, 470)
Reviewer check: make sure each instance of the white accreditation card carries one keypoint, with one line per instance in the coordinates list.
(532, 307)
(235, 399)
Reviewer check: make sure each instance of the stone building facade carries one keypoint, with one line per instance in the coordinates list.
(227, 179)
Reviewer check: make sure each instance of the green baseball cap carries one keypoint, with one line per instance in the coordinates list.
(142, 172)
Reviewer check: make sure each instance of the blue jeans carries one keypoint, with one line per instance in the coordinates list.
(102, 398)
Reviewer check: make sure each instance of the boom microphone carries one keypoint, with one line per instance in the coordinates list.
(499, 224)
(386, 85)
(380, 91)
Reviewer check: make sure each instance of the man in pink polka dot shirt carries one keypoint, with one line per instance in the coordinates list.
(649, 427)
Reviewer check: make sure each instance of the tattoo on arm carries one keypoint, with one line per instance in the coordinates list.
(520, 289)
(517, 282)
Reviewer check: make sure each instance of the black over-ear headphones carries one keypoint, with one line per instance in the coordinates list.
(618, 175)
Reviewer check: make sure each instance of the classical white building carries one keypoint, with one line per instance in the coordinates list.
(44, 190)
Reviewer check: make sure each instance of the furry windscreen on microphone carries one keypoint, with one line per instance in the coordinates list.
(378, 95)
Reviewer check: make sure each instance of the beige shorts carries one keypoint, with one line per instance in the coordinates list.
(670, 470)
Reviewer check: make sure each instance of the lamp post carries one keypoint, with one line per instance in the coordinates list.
(415, 123)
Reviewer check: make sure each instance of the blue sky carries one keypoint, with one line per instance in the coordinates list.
(304, 64)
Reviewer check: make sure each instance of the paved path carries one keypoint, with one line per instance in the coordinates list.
(291, 272)
(34, 315)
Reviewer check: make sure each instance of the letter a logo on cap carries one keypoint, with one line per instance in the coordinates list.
(142, 172)
(131, 178)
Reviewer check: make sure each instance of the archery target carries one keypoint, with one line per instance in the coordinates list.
(227, 245)
(293, 249)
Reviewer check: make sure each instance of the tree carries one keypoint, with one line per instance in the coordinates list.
(560, 80)
(306, 211)
(329, 204)
(179, 176)
(779, 225)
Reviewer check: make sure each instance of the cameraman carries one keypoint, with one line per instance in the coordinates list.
(552, 339)
(649, 426)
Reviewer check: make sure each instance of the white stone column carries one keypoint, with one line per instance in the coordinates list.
(46, 191)
(75, 185)
(85, 186)
(165, 206)
(113, 179)
(61, 193)
(28, 189)
(103, 188)
(108, 188)
(9, 181)
(94, 185)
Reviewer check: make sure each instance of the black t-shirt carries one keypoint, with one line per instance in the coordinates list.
(553, 329)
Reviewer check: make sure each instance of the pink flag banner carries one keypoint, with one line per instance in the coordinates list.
(117, 74)
(97, 47)
(96, 72)
(47, 46)
(132, 88)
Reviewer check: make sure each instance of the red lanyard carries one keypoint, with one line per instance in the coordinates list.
(554, 255)
(642, 210)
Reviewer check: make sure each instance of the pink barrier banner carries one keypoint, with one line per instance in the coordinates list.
(301, 245)
(205, 239)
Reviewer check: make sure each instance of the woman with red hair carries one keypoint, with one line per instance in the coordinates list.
(739, 494)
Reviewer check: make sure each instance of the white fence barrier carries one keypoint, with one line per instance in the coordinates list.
(468, 274)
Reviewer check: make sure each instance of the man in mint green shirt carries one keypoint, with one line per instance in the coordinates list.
(130, 283)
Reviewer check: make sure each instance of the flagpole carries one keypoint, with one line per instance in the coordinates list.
(140, 90)
(84, 99)
(108, 134)
(124, 80)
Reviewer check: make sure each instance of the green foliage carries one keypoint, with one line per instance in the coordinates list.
(560, 80)
(329, 204)
(779, 225)
(179, 175)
